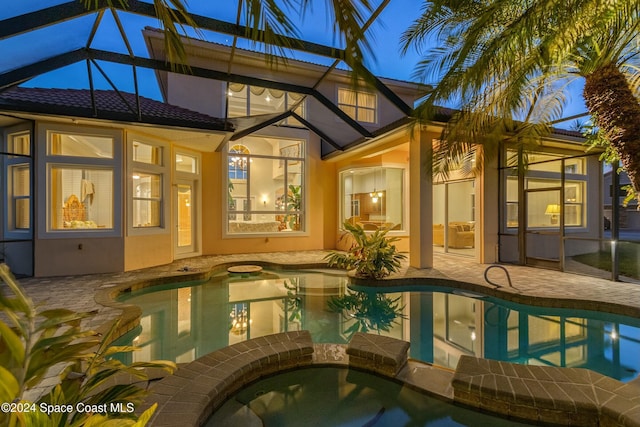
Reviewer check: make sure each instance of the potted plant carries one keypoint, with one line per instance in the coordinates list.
(371, 255)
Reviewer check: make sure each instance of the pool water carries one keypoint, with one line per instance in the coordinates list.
(187, 320)
(342, 398)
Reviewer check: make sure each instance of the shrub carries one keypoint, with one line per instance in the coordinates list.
(372, 255)
(32, 342)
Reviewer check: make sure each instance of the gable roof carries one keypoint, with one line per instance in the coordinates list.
(109, 105)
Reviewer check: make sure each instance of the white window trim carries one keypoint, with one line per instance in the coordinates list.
(286, 105)
(179, 177)
(11, 233)
(164, 170)
(43, 131)
(375, 109)
(405, 202)
(305, 199)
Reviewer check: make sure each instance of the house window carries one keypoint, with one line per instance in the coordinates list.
(148, 154)
(147, 177)
(82, 171)
(147, 192)
(265, 182)
(542, 183)
(373, 197)
(360, 106)
(186, 163)
(19, 143)
(147, 200)
(18, 182)
(238, 162)
(245, 100)
(19, 213)
(81, 197)
(80, 146)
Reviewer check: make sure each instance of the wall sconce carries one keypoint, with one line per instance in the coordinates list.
(554, 211)
(264, 200)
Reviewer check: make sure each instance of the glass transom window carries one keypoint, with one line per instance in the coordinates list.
(245, 100)
(61, 144)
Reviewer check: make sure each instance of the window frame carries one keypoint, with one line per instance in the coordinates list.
(226, 212)
(565, 178)
(289, 121)
(10, 160)
(163, 169)
(356, 106)
(113, 164)
(404, 231)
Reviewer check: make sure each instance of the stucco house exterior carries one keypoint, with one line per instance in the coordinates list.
(243, 157)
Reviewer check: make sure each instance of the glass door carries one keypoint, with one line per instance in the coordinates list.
(185, 223)
(454, 217)
(543, 218)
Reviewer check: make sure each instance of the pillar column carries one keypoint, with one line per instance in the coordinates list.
(420, 202)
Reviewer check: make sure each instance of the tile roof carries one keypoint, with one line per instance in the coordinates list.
(109, 106)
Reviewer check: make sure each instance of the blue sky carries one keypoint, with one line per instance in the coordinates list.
(316, 27)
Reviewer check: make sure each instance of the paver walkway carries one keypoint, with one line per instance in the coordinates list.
(77, 292)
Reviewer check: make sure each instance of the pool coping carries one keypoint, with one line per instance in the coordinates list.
(540, 394)
(410, 374)
(130, 316)
(546, 394)
(196, 390)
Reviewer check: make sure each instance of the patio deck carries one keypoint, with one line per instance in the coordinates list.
(530, 285)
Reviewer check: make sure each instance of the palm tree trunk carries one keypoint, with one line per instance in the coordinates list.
(617, 112)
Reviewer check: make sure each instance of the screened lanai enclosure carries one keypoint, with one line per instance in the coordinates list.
(102, 63)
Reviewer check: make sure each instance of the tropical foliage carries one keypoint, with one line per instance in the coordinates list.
(367, 311)
(371, 256)
(293, 301)
(294, 204)
(33, 342)
(507, 66)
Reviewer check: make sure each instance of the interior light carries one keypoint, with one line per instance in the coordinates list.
(135, 176)
(553, 210)
(230, 93)
(268, 98)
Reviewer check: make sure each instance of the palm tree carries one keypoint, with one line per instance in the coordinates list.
(507, 64)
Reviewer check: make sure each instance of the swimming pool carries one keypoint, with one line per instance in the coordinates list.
(342, 397)
(187, 320)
